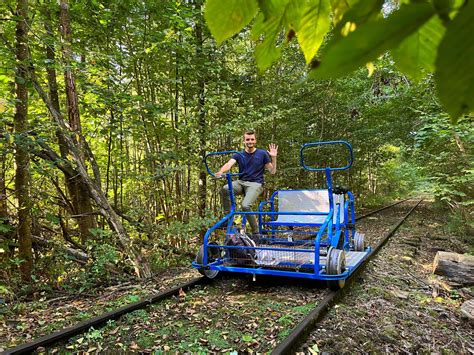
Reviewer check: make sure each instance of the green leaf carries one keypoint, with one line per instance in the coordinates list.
(226, 18)
(52, 218)
(5, 228)
(272, 7)
(358, 14)
(339, 7)
(371, 40)
(247, 338)
(313, 24)
(454, 74)
(266, 52)
(418, 51)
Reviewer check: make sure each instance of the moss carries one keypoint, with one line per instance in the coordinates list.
(146, 340)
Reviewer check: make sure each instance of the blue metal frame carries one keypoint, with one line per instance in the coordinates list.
(315, 144)
(326, 234)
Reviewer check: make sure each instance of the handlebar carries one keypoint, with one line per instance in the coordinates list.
(314, 144)
(222, 153)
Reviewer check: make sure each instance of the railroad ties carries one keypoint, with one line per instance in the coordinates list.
(296, 336)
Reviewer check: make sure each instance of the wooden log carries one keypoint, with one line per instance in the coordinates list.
(467, 310)
(456, 267)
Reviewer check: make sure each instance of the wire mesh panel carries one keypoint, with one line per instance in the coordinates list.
(285, 256)
(268, 251)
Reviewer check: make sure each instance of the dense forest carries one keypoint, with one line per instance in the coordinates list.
(107, 109)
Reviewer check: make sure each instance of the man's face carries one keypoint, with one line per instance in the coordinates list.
(250, 140)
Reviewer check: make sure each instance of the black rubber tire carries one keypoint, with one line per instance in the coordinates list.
(335, 265)
(212, 255)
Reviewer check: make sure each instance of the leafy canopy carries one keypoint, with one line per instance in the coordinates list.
(424, 37)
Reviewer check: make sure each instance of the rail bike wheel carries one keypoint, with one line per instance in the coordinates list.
(335, 265)
(359, 242)
(212, 255)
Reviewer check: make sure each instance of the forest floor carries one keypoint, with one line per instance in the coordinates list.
(396, 305)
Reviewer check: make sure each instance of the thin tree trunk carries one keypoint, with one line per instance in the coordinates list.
(22, 159)
(109, 152)
(77, 189)
(4, 215)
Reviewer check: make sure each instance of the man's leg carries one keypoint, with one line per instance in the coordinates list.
(252, 191)
(225, 194)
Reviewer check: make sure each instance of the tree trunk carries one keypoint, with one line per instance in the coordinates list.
(76, 188)
(4, 215)
(76, 254)
(22, 160)
(3, 191)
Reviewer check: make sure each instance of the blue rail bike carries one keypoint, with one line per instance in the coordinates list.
(307, 233)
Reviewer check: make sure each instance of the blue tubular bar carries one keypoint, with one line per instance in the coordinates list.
(317, 243)
(346, 220)
(314, 144)
(210, 230)
(352, 220)
(299, 274)
(261, 248)
(337, 235)
(282, 213)
(327, 171)
(260, 219)
(286, 231)
(227, 152)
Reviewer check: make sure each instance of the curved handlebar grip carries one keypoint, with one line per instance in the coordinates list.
(314, 144)
(221, 153)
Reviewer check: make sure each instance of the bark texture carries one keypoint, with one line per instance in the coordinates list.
(456, 267)
(77, 190)
(22, 159)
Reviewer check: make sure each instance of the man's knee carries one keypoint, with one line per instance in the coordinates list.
(225, 191)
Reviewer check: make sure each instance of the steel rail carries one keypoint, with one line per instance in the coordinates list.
(380, 209)
(81, 327)
(299, 333)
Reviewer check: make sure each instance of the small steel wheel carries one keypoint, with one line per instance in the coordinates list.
(359, 242)
(212, 255)
(335, 265)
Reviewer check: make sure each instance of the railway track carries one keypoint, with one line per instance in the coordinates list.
(296, 336)
(309, 322)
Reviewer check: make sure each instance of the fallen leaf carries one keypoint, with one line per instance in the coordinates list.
(400, 294)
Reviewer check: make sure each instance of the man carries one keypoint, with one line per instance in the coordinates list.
(251, 167)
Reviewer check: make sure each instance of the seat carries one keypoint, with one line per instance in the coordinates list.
(306, 201)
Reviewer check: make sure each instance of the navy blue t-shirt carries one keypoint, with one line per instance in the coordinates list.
(252, 165)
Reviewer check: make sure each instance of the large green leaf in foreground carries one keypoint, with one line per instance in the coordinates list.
(226, 18)
(416, 55)
(455, 62)
(313, 24)
(266, 52)
(371, 40)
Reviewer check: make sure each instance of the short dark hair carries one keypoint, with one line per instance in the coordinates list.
(249, 132)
